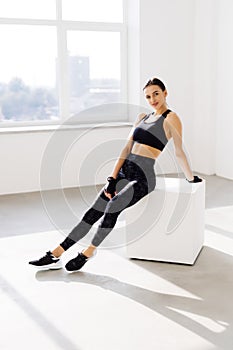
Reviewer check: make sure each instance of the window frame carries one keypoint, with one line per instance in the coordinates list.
(62, 28)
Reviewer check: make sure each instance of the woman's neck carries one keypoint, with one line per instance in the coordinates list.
(160, 110)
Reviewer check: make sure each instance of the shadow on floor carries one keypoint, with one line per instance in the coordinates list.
(220, 231)
(35, 314)
(209, 280)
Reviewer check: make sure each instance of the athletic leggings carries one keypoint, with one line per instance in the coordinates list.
(135, 180)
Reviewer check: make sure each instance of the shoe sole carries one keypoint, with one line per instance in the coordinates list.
(72, 271)
(48, 267)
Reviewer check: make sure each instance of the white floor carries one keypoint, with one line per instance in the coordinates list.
(114, 303)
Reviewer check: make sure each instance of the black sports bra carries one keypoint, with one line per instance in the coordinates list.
(152, 134)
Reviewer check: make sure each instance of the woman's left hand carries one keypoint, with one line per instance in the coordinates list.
(109, 195)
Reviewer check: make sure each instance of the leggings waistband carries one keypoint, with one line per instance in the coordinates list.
(141, 160)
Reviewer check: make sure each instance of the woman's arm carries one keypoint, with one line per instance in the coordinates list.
(126, 150)
(123, 155)
(110, 187)
(175, 129)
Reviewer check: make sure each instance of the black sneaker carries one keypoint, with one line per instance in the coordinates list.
(47, 262)
(78, 262)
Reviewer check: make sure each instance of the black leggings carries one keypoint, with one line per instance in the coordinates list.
(135, 180)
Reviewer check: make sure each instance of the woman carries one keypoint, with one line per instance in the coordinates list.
(132, 177)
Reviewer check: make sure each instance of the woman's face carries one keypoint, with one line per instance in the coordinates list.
(155, 96)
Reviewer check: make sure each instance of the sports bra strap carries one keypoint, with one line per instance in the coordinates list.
(166, 113)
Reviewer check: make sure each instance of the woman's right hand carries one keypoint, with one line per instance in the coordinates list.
(110, 187)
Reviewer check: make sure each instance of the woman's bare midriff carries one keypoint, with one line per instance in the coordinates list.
(145, 151)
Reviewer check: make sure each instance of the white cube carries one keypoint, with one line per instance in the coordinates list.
(168, 224)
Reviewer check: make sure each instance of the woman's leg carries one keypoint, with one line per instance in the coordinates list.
(51, 259)
(127, 197)
(90, 217)
(130, 195)
(58, 251)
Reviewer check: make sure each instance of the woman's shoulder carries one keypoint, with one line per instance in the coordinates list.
(172, 114)
(172, 117)
(173, 120)
(139, 118)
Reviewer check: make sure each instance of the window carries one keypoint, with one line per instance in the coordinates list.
(93, 70)
(43, 9)
(28, 77)
(96, 11)
(60, 60)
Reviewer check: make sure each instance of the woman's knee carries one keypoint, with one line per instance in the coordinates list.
(91, 216)
(117, 204)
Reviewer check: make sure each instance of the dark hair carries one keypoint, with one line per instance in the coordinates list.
(155, 81)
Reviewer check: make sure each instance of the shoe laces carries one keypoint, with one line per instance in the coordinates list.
(48, 254)
(81, 257)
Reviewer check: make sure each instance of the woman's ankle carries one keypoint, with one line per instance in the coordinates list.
(89, 251)
(57, 252)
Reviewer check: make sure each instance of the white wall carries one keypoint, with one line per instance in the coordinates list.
(205, 82)
(213, 76)
(167, 51)
(224, 91)
(32, 161)
(188, 44)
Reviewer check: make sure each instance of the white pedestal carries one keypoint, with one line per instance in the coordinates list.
(168, 224)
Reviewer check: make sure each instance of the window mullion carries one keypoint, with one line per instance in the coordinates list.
(28, 21)
(62, 74)
(93, 26)
(123, 52)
